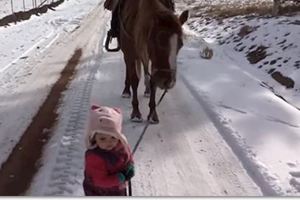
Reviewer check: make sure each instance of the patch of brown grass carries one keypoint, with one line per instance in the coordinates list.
(230, 10)
(283, 80)
(257, 55)
(289, 9)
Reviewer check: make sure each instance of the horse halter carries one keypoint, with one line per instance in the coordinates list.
(172, 71)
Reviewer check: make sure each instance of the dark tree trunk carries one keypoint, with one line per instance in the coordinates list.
(276, 7)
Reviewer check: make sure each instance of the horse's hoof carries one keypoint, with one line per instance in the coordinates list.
(137, 119)
(152, 121)
(147, 94)
(126, 95)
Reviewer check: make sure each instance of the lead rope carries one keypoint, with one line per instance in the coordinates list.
(141, 136)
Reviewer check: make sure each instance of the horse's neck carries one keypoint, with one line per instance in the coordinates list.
(149, 7)
(143, 25)
(145, 9)
(139, 15)
(130, 7)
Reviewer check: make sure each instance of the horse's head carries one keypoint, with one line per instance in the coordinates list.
(164, 45)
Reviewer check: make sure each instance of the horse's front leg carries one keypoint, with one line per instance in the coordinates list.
(126, 91)
(146, 80)
(147, 85)
(152, 117)
(136, 115)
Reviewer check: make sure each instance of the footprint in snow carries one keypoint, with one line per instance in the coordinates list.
(295, 183)
(295, 174)
(231, 108)
(292, 165)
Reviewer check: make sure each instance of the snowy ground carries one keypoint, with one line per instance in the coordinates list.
(228, 107)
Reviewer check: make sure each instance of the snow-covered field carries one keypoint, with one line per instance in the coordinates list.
(10, 6)
(237, 107)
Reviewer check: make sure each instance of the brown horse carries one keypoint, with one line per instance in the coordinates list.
(150, 33)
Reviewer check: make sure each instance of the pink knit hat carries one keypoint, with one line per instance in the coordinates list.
(105, 120)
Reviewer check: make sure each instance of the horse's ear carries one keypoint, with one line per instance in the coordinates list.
(184, 16)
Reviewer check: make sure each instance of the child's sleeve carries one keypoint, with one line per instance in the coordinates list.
(130, 156)
(96, 170)
(129, 170)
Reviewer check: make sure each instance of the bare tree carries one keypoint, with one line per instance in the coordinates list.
(12, 6)
(276, 7)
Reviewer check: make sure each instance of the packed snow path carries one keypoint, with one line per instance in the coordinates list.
(184, 155)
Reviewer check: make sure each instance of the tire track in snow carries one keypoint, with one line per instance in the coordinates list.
(246, 158)
(68, 165)
(64, 165)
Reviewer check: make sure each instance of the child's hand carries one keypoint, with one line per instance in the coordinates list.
(129, 171)
(121, 177)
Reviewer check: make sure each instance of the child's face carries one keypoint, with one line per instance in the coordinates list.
(105, 142)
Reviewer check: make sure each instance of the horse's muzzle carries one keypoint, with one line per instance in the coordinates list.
(164, 79)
